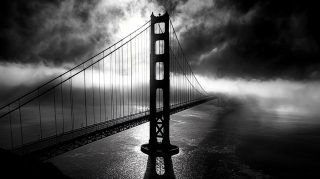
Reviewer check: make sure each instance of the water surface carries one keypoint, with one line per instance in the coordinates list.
(235, 139)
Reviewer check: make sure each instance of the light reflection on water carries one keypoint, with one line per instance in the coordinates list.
(121, 153)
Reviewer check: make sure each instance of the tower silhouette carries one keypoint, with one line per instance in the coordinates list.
(159, 142)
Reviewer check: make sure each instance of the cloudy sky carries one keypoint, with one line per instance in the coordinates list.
(231, 39)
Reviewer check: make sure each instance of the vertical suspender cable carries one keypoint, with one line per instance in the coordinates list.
(131, 76)
(40, 120)
(85, 95)
(104, 90)
(62, 111)
(21, 134)
(111, 80)
(93, 104)
(71, 102)
(11, 134)
(122, 81)
(99, 88)
(55, 110)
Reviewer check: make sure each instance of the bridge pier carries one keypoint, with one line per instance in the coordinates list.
(159, 143)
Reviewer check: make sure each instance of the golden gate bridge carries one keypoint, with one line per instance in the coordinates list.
(143, 77)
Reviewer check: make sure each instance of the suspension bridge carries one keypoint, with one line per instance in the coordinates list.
(143, 77)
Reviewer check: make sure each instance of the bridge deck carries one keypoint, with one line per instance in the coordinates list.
(53, 146)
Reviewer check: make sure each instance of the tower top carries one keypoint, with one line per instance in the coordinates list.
(159, 15)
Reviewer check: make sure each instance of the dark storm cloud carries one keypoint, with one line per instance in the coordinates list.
(52, 31)
(254, 39)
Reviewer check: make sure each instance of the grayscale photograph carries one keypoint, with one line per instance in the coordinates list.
(150, 89)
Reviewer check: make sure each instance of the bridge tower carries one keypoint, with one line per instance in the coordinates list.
(159, 142)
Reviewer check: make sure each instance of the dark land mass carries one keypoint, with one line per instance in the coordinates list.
(14, 166)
